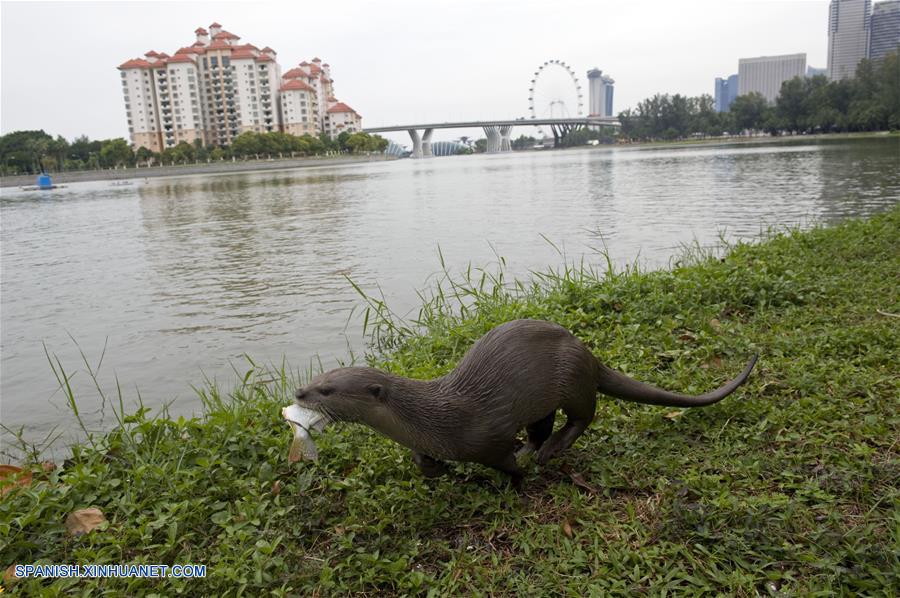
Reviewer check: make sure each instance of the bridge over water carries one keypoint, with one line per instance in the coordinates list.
(499, 132)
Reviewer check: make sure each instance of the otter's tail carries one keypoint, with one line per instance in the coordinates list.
(619, 385)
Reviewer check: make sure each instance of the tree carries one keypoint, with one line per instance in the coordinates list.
(523, 142)
(22, 151)
(144, 156)
(246, 144)
(749, 111)
(342, 138)
(115, 153)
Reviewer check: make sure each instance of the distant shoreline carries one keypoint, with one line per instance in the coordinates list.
(83, 176)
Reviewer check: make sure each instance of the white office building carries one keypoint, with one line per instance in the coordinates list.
(765, 74)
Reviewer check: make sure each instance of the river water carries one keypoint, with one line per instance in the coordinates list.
(179, 278)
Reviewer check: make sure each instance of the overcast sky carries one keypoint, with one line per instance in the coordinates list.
(396, 62)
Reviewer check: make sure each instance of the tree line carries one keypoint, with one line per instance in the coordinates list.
(31, 152)
(868, 102)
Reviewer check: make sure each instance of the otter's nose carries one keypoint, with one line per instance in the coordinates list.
(300, 394)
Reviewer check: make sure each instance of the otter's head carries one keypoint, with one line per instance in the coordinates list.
(346, 394)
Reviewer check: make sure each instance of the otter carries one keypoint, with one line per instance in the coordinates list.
(516, 376)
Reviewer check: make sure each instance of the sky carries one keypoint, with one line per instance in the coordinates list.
(396, 62)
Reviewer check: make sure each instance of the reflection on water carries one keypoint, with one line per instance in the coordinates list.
(185, 275)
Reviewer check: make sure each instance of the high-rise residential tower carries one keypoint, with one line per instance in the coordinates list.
(849, 23)
(885, 32)
(765, 74)
(217, 88)
(600, 93)
(726, 91)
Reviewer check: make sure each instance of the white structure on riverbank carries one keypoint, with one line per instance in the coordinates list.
(217, 88)
(765, 74)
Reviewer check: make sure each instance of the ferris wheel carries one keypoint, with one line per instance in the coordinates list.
(555, 92)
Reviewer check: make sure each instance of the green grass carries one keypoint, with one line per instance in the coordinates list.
(789, 486)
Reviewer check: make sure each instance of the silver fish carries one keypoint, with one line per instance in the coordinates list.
(302, 421)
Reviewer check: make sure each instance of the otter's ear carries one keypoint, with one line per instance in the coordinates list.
(375, 390)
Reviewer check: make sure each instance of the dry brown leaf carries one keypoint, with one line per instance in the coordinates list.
(84, 520)
(674, 414)
(12, 476)
(578, 479)
(567, 529)
(276, 487)
(715, 323)
(48, 466)
(9, 576)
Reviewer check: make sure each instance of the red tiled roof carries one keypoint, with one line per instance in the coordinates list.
(314, 69)
(219, 45)
(189, 50)
(332, 99)
(180, 58)
(317, 59)
(200, 31)
(264, 58)
(225, 35)
(162, 55)
(341, 107)
(215, 25)
(200, 44)
(135, 63)
(296, 84)
(295, 73)
(242, 53)
(304, 63)
(246, 47)
(270, 50)
(151, 53)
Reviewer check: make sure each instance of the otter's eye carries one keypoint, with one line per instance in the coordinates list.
(325, 391)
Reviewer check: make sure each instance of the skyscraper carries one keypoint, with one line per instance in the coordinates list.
(765, 74)
(885, 32)
(600, 93)
(726, 91)
(849, 23)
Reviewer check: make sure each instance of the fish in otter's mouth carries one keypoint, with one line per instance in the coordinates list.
(302, 421)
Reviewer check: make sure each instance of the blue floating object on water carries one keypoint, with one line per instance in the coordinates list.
(44, 182)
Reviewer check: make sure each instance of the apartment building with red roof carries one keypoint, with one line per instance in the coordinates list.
(218, 87)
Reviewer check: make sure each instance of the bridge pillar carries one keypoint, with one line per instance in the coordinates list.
(493, 138)
(426, 143)
(506, 138)
(417, 144)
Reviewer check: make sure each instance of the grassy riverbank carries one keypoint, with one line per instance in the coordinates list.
(788, 486)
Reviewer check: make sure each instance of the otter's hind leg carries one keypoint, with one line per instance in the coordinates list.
(579, 415)
(538, 433)
(430, 467)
